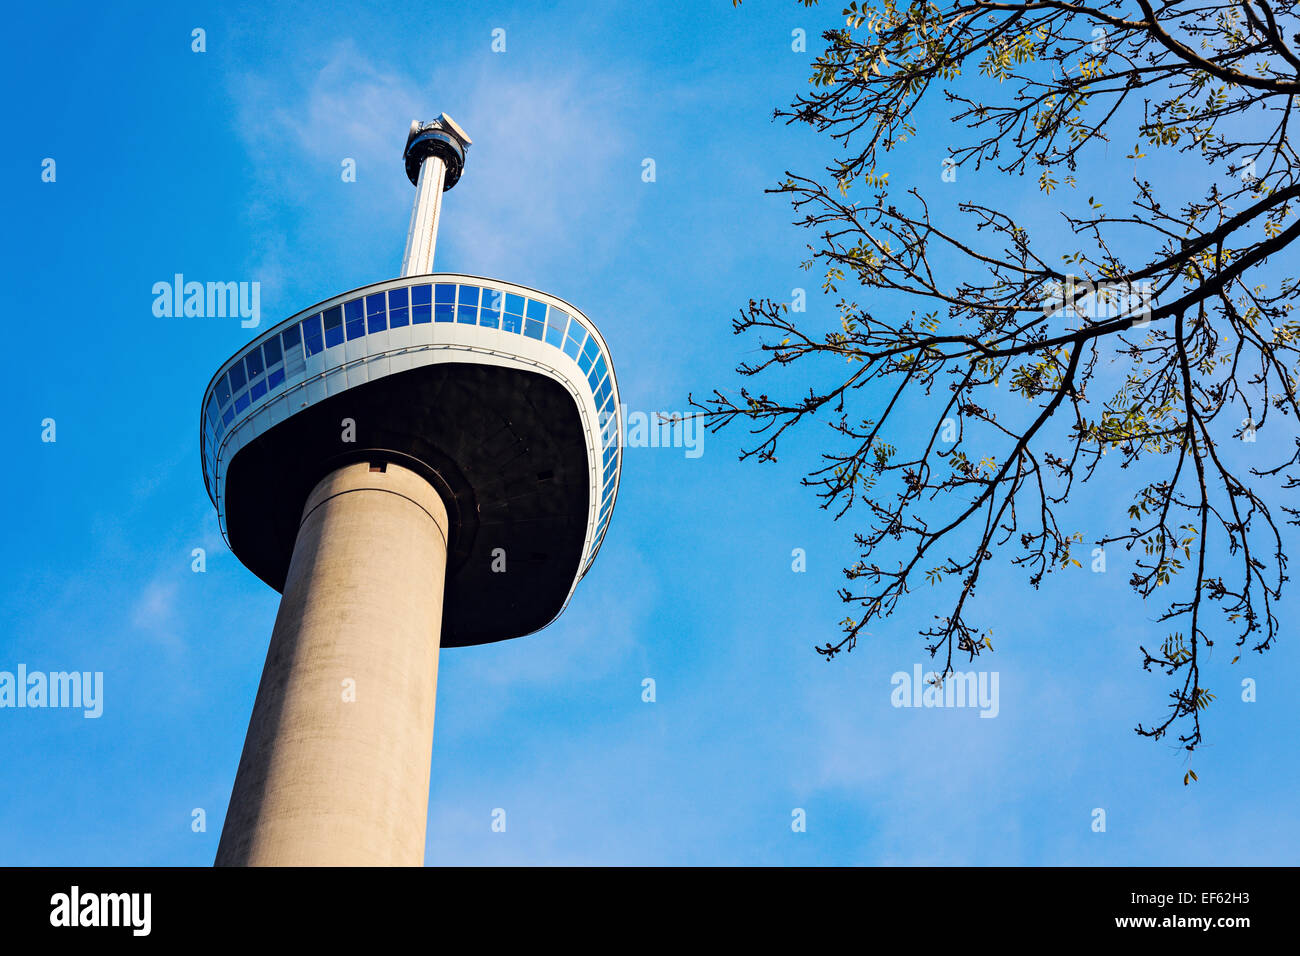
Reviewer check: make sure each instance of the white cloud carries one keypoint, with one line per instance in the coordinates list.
(155, 610)
(530, 194)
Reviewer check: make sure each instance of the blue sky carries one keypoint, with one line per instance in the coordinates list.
(225, 165)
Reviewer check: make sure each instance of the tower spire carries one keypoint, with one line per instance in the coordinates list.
(435, 158)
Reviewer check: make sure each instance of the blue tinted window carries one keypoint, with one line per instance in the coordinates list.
(443, 305)
(241, 402)
(222, 390)
(556, 321)
(311, 335)
(510, 321)
(467, 304)
(356, 323)
(228, 416)
(254, 362)
(444, 297)
(421, 296)
(609, 472)
(536, 310)
(602, 393)
(585, 360)
(237, 378)
(376, 313)
(591, 349)
(397, 305)
(211, 411)
(514, 304)
(490, 307)
(275, 378)
(257, 391)
(601, 367)
(333, 322)
(533, 328)
(290, 337)
(271, 349)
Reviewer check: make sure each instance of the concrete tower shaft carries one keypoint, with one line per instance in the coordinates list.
(335, 767)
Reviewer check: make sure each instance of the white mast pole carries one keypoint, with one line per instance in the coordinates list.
(423, 234)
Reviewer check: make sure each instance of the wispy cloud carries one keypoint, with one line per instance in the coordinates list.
(154, 611)
(528, 196)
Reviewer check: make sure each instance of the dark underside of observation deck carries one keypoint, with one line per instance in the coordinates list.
(505, 449)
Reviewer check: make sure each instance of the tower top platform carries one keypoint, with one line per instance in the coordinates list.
(443, 138)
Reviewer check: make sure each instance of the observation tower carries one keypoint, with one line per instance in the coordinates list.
(429, 461)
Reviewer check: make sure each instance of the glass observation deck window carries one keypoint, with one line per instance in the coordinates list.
(271, 351)
(556, 323)
(398, 306)
(333, 322)
(311, 335)
(489, 315)
(535, 319)
(444, 301)
(513, 319)
(356, 322)
(467, 305)
(421, 297)
(376, 314)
